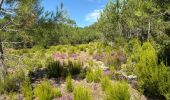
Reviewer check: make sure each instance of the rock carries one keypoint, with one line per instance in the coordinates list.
(132, 77)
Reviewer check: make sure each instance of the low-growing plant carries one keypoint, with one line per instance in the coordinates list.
(117, 91)
(105, 82)
(69, 84)
(11, 82)
(97, 75)
(89, 76)
(54, 69)
(74, 68)
(90, 51)
(44, 91)
(57, 69)
(27, 89)
(94, 75)
(81, 93)
(12, 95)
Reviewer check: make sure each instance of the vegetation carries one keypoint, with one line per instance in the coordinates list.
(81, 93)
(128, 46)
(44, 91)
(57, 69)
(12, 82)
(69, 84)
(94, 76)
(27, 89)
(117, 91)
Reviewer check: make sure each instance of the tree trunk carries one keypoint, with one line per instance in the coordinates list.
(1, 2)
(149, 29)
(3, 69)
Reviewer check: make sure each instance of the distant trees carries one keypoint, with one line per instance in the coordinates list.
(143, 19)
(57, 28)
(135, 18)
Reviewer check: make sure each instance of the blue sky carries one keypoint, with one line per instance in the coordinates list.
(84, 12)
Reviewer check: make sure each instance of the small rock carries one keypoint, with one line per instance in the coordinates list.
(132, 77)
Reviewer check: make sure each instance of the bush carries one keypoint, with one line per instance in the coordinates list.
(44, 91)
(54, 69)
(57, 69)
(117, 91)
(105, 82)
(133, 49)
(69, 84)
(116, 59)
(89, 76)
(27, 89)
(81, 93)
(94, 76)
(153, 79)
(11, 82)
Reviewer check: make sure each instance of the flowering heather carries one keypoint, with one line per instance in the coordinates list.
(58, 56)
(74, 56)
(64, 56)
(107, 72)
(98, 56)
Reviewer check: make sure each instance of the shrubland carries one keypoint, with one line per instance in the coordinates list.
(130, 38)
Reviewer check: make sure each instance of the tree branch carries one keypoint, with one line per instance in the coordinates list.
(1, 2)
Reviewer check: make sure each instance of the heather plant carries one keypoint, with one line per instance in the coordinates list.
(54, 69)
(133, 49)
(27, 89)
(82, 47)
(11, 82)
(90, 51)
(97, 75)
(105, 82)
(69, 84)
(74, 68)
(117, 91)
(81, 93)
(89, 76)
(94, 75)
(151, 75)
(57, 69)
(115, 59)
(44, 91)
(12, 95)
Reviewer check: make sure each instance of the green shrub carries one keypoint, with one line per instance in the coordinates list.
(56, 69)
(89, 76)
(27, 89)
(105, 82)
(151, 75)
(11, 82)
(116, 59)
(154, 78)
(97, 75)
(81, 93)
(117, 91)
(74, 68)
(90, 51)
(44, 91)
(12, 95)
(94, 76)
(69, 84)
(133, 49)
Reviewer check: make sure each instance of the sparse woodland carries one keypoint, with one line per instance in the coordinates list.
(125, 55)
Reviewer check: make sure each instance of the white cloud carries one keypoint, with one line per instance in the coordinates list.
(93, 16)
